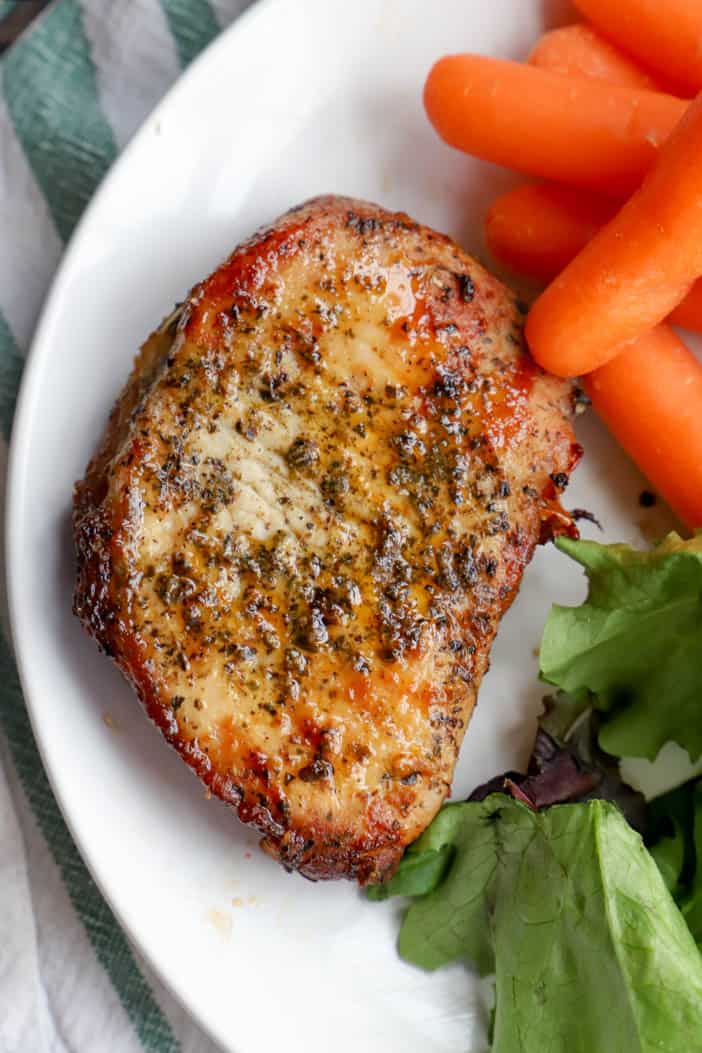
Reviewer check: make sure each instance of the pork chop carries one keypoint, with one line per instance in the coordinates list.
(313, 503)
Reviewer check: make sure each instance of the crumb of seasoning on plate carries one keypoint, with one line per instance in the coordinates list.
(108, 721)
(237, 901)
(247, 855)
(647, 499)
(221, 921)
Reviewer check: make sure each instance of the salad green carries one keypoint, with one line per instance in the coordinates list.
(635, 643)
(690, 898)
(676, 845)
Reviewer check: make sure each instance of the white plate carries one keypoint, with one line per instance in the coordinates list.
(298, 98)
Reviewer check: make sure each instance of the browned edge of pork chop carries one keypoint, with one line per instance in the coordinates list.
(314, 501)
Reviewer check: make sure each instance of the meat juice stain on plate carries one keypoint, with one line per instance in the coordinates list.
(221, 921)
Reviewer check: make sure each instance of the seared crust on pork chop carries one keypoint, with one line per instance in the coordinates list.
(313, 503)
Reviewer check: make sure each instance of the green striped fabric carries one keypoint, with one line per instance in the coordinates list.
(11, 363)
(58, 120)
(51, 95)
(193, 25)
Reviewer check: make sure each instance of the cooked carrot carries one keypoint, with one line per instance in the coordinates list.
(688, 313)
(538, 228)
(664, 34)
(633, 273)
(572, 130)
(650, 398)
(580, 51)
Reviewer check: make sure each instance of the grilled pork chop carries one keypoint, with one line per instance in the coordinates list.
(314, 501)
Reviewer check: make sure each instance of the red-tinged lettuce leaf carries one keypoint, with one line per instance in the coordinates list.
(567, 764)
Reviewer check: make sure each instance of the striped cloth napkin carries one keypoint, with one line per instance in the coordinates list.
(73, 89)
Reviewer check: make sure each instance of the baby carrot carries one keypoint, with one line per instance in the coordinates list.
(538, 228)
(650, 398)
(580, 51)
(573, 130)
(688, 313)
(664, 34)
(634, 271)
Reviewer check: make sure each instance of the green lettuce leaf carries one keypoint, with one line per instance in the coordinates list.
(669, 855)
(420, 870)
(685, 813)
(675, 842)
(635, 644)
(670, 837)
(569, 911)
